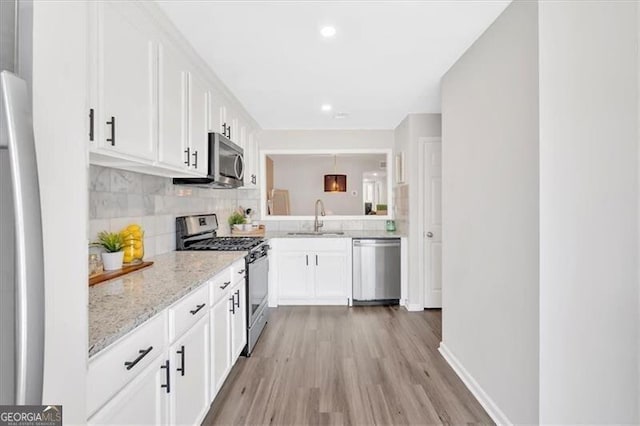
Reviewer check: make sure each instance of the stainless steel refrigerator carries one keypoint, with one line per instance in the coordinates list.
(21, 253)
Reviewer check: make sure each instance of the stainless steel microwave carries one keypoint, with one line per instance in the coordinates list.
(226, 165)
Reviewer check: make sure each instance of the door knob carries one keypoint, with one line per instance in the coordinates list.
(429, 234)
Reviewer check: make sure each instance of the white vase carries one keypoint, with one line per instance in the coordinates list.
(112, 261)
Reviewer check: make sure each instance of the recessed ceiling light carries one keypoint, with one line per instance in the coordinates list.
(328, 32)
(326, 107)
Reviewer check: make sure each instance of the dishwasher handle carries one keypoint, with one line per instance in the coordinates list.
(375, 243)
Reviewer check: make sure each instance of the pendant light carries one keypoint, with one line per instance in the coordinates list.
(335, 182)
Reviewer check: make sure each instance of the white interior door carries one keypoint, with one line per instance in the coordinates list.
(433, 224)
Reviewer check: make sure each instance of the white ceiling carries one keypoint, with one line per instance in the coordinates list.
(385, 61)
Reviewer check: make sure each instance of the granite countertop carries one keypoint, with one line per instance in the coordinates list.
(118, 306)
(347, 234)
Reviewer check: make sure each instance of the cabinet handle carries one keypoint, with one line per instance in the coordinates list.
(168, 384)
(238, 294)
(112, 123)
(316, 260)
(195, 159)
(198, 307)
(143, 353)
(233, 304)
(226, 284)
(253, 179)
(224, 129)
(229, 130)
(188, 151)
(91, 118)
(181, 352)
(307, 259)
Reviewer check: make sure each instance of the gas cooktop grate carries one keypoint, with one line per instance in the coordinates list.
(226, 244)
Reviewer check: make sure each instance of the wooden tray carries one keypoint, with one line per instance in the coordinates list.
(253, 233)
(104, 276)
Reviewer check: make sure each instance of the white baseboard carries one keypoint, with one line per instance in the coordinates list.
(487, 403)
(414, 307)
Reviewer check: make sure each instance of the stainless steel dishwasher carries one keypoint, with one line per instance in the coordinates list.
(376, 271)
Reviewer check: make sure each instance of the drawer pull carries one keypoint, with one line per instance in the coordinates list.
(226, 284)
(241, 271)
(143, 353)
(238, 302)
(198, 307)
(167, 385)
(181, 352)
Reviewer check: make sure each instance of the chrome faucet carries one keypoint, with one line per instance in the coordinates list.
(317, 224)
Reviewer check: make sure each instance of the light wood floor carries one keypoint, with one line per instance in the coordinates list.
(339, 365)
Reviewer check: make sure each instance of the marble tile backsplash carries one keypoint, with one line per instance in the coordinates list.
(118, 198)
(329, 225)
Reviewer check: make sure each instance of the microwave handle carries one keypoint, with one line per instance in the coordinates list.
(239, 161)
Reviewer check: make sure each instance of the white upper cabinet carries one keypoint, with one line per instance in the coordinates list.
(183, 120)
(199, 124)
(252, 159)
(172, 135)
(225, 121)
(216, 112)
(151, 101)
(126, 116)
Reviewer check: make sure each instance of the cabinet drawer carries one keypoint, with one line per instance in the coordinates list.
(220, 285)
(238, 271)
(313, 244)
(187, 311)
(120, 363)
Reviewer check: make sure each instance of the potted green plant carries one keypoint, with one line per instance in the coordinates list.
(236, 220)
(113, 244)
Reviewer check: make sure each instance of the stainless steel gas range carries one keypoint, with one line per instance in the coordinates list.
(200, 233)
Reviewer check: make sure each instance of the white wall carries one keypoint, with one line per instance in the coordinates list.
(490, 213)
(588, 212)
(303, 177)
(60, 125)
(406, 136)
(325, 139)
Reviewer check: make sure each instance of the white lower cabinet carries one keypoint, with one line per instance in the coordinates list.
(295, 280)
(238, 320)
(228, 330)
(220, 342)
(144, 401)
(168, 370)
(190, 371)
(313, 271)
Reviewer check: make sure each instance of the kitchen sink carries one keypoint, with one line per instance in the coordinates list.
(327, 233)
